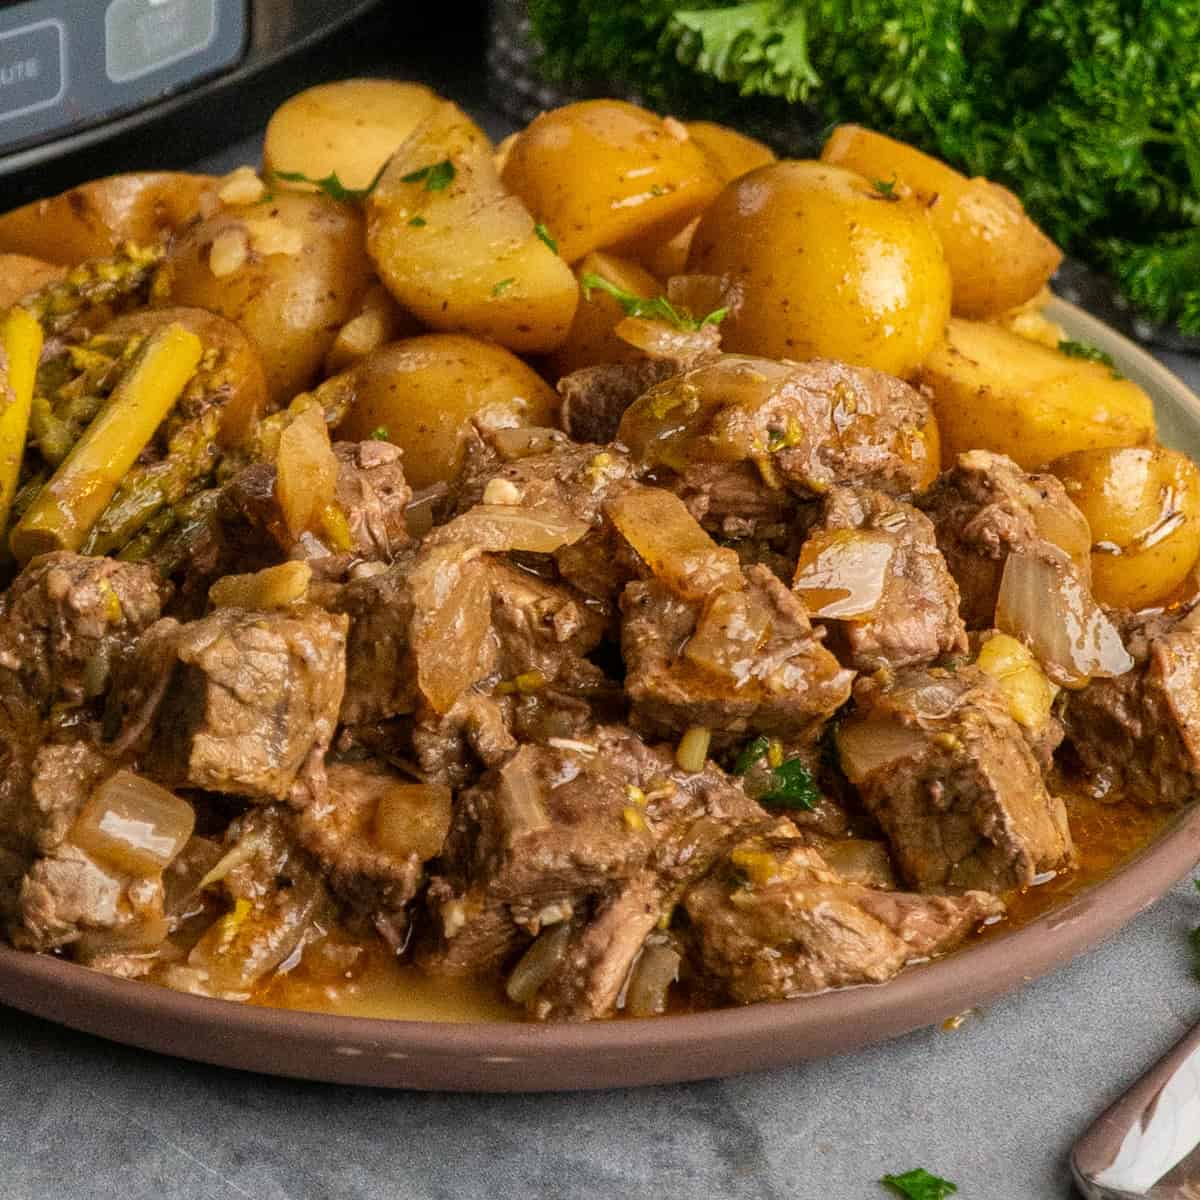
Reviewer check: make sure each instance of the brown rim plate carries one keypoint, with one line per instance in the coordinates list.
(502, 1057)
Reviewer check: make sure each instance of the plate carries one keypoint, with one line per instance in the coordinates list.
(498, 1057)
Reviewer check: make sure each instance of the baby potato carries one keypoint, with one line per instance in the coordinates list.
(241, 368)
(92, 220)
(289, 271)
(826, 267)
(730, 152)
(1143, 506)
(20, 275)
(351, 127)
(998, 257)
(459, 252)
(995, 390)
(592, 339)
(603, 173)
(422, 392)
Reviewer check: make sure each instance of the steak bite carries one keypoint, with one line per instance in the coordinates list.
(66, 621)
(774, 921)
(801, 427)
(984, 509)
(876, 560)
(942, 766)
(237, 702)
(739, 661)
(1138, 736)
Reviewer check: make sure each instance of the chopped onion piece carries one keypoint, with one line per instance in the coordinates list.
(133, 825)
(649, 985)
(657, 524)
(411, 818)
(538, 963)
(272, 587)
(306, 471)
(521, 810)
(728, 635)
(1044, 603)
(497, 528)
(841, 573)
(860, 860)
(139, 938)
(661, 340)
(865, 746)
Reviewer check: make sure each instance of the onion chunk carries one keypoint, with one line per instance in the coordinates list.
(842, 573)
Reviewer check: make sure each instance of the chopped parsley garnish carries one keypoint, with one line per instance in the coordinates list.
(886, 187)
(544, 234)
(331, 185)
(750, 754)
(437, 176)
(1084, 350)
(380, 434)
(417, 222)
(658, 308)
(918, 1184)
(498, 289)
(792, 786)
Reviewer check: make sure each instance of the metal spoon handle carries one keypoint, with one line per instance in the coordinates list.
(1148, 1143)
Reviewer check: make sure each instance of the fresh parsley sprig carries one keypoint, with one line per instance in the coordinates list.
(790, 783)
(657, 308)
(1086, 351)
(436, 177)
(919, 1184)
(331, 185)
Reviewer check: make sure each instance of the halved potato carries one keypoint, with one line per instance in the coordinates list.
(457, 250)
(995, 390)
(421, 392)
(604, 173)
(351, 127)
(1143, 506)
(288, 270)
(92, 220)
(998, 257)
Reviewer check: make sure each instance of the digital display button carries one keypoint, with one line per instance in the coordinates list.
(32, 68)
(141, 36)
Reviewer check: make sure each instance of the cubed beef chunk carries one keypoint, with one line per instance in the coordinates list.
(879, 557)
(594, 399)
(800, 427)
(371, 834)
(64, 893)
(1138, 736)
(67, 619)
(371, 493)
(237, 702)
(984, 509)
(775, 921)
(942, 766)
(559, 832)
(739, 661)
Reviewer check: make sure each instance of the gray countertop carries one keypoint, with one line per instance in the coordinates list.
(993, 1105)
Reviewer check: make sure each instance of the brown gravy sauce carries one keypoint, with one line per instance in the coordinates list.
(352, 979)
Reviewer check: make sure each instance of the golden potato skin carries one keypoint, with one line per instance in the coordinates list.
(464, 254)
(242, 367)
(1143, 506)
(592, 340)
(290, 304)
(730, 152)
(998, 257)
(827, 267)
(603, 173)
(424, 390)
(995, 390)
(351, 127)
(20, 275)
(92, 220)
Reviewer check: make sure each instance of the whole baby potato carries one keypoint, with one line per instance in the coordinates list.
(1143, 506)
(996, 390)
(600, 173)
(825, 266)
(350, 128)
(998, 257)
(288, 270)
(422, 392)
(93, 219)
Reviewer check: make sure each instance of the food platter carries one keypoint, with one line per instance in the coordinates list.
(487, 1056)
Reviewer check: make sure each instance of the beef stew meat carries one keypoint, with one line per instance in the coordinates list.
(943, 767)
(985, 508)
(1137, 737)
